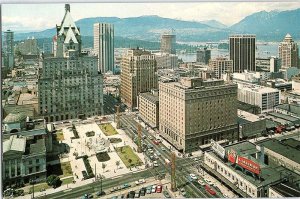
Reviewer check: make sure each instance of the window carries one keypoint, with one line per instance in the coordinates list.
(37, 161)
(30, 170)
(30, 161)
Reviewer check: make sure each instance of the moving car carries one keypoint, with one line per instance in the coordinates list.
(201, 182)
(182, 191)
(210, 190)
(193, 176)
(166, 194)
(140, 181)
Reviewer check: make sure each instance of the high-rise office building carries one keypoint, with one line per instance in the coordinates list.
(194, 111)
(8, 49)
(167, 43)
(242, 52)
(220, 66)
(288, 52)
(138, 74)
(203, 55)
(104, 46)
(69, 84)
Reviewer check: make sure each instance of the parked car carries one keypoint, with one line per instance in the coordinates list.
(163, 148)
(143, 191)
(149, 189)
(153, 190)
(193, 176)
(137, 194)
(131, 194)
(158, 189)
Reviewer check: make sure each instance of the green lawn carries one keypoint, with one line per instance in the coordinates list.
(108, 129)
(38, 187)
(59, 136)
(67, 180)
(126, 153)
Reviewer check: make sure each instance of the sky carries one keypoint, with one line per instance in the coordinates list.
(35, 17)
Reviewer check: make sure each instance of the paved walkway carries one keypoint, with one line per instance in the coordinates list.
(80, 146)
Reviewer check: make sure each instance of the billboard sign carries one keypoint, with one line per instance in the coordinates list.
(231, 155)
(218, 149)
(248, 165)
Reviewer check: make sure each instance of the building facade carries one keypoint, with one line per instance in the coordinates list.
(166, 61)
(24, 159)
(138, 74)
(167, 44)
(220, 66)
(288, 52)
(8, 49)
(104, 46)
(242, 52)
(28, 47)
(264, 97)
(69, 85)
(149, 108)
(193, 111)
(203, 55)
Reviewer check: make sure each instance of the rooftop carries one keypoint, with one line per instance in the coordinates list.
(149, 96)
(285, 117)
(14, 143)
(293, 108)
(38, 146)
(286, 191)
(257, 88)
(248, 116)
(268, 174)
(282, 148)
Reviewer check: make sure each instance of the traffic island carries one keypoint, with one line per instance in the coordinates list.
(108, 129)
(128, 157)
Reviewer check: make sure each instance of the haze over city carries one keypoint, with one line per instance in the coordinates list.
(19, 16)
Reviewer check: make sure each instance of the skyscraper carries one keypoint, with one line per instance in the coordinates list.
(104, 46)
(288, 53)
(69, 84)
(8, 48)
(203, 55)
(139, 74)
(194, 111)
(242, 52)
(167, 43)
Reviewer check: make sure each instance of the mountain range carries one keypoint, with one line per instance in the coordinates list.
(268, 26)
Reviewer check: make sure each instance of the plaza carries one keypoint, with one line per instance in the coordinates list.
(99, 143)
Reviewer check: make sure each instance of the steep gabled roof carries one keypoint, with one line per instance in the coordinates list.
(70, 36)
(68, 22)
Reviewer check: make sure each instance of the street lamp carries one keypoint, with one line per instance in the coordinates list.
(32, 182)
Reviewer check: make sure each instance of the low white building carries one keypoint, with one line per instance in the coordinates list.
(264, 97)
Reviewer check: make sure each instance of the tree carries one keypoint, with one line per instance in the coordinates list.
(130, 161)
(54, 181)
(103, 166)
(118, 164)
